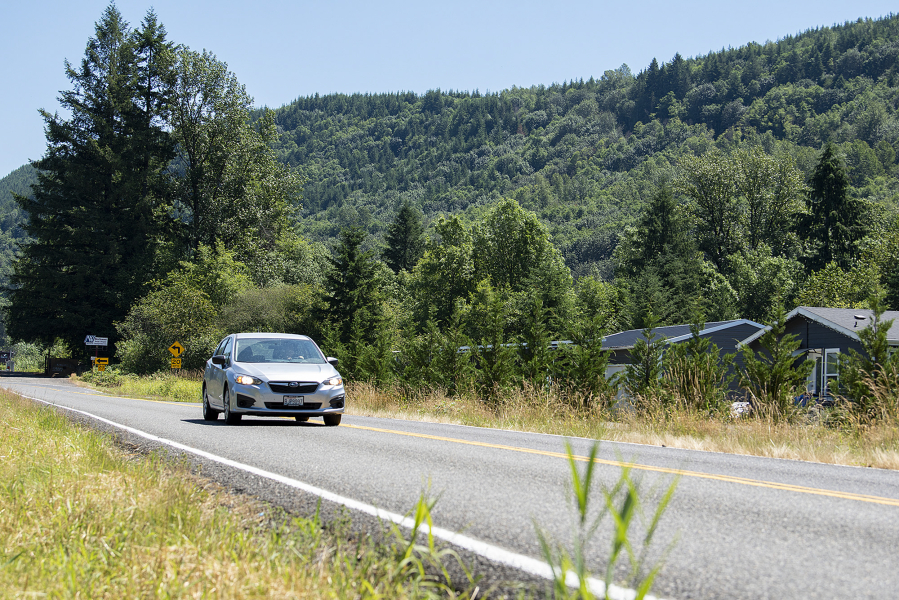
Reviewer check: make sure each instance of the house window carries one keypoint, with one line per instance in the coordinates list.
(813, 384)
(831, 371)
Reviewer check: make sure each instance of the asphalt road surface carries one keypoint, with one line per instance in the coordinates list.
(742, 527)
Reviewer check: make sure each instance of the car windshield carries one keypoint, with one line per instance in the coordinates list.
(278, 350)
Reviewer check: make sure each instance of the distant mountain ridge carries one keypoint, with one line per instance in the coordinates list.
(585, 154)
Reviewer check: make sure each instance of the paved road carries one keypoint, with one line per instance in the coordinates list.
(746, 527)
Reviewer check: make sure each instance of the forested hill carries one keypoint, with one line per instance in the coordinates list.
(587, 155)
(12, 216)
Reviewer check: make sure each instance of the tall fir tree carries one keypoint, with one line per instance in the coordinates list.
(352, 298)
(835, 221)
(405, 240)
(94, 215)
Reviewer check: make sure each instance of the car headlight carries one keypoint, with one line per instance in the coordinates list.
(247, 380)
(332, 381)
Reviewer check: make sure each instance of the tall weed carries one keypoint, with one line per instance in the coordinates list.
(621, 502)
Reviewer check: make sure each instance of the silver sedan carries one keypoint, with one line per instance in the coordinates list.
(272, 375)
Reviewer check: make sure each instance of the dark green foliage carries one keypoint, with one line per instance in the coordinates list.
(494, 355)
(660, 264)
(436, 357)
(94, 214)
(352, 288)
(836, 222)
(405, 240)
(174, 311)
(696, 372)
(774, 375)
(867, 379)
(643, 376)
(584, 362)
(284, 308)
(533, 350)
(581, 153)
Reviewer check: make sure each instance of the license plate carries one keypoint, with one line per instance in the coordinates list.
(293, 400)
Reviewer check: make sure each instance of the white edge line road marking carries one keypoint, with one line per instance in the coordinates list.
(489, 551)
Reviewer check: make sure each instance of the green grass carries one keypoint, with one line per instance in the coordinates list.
(181, 387)
(80, 518)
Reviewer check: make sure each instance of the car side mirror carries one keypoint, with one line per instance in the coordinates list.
(333, 361)
(219, 360)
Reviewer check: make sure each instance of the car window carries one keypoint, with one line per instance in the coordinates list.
(221, 348)
(278, 350)
(227, 351)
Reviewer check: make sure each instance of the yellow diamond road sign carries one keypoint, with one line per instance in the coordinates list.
(176, 349)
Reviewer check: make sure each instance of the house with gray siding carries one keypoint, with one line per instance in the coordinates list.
(724, 334)
(824, 334)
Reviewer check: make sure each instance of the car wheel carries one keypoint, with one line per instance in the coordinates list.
(301, 418)
(332, 420)
(230, 417)
(209, 413)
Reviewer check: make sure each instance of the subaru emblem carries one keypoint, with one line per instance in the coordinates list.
(294, 384)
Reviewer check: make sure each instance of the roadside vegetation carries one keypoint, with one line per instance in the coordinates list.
(83, 518)
(810, 435)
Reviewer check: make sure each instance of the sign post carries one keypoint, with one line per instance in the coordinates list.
(96, 342)
(177, 350)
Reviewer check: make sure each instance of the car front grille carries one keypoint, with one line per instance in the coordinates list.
(301, 387)
(280, 406)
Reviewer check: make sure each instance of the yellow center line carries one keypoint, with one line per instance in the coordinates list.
(679, 472)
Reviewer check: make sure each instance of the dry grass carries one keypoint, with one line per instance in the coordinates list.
(547, 412)
(80, 519)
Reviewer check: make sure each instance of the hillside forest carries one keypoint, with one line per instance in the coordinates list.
(740, 183)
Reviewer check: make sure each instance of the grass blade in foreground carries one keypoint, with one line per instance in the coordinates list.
(571, 575)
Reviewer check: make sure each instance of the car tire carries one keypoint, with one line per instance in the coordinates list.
(209, 413)
(230, 417)
(301, 418)
(332, 420)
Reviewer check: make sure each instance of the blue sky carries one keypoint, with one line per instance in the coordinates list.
(283, 50)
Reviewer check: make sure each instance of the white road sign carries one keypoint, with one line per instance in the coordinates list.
(93, 340)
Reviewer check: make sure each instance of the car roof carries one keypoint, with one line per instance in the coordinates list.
(259, 334)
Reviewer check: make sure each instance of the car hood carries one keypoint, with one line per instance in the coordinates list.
(288, 371)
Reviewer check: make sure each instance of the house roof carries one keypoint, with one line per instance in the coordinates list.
(846, 321)
(672, 333)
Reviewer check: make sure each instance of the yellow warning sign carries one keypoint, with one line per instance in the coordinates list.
(101, 367)
(176, 363)
(177, 350)
(102, 361)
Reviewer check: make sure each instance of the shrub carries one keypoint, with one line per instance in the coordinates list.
(696, 374)
(870, 382)
(772, 376)
(174, 311)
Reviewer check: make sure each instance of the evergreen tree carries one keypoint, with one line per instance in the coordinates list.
(352, 297)
(772, 375)
(835, 222)
(643, 375)
(405, 240)
(660, 263)
(94, 214)
(866, 379)
(534, 351)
